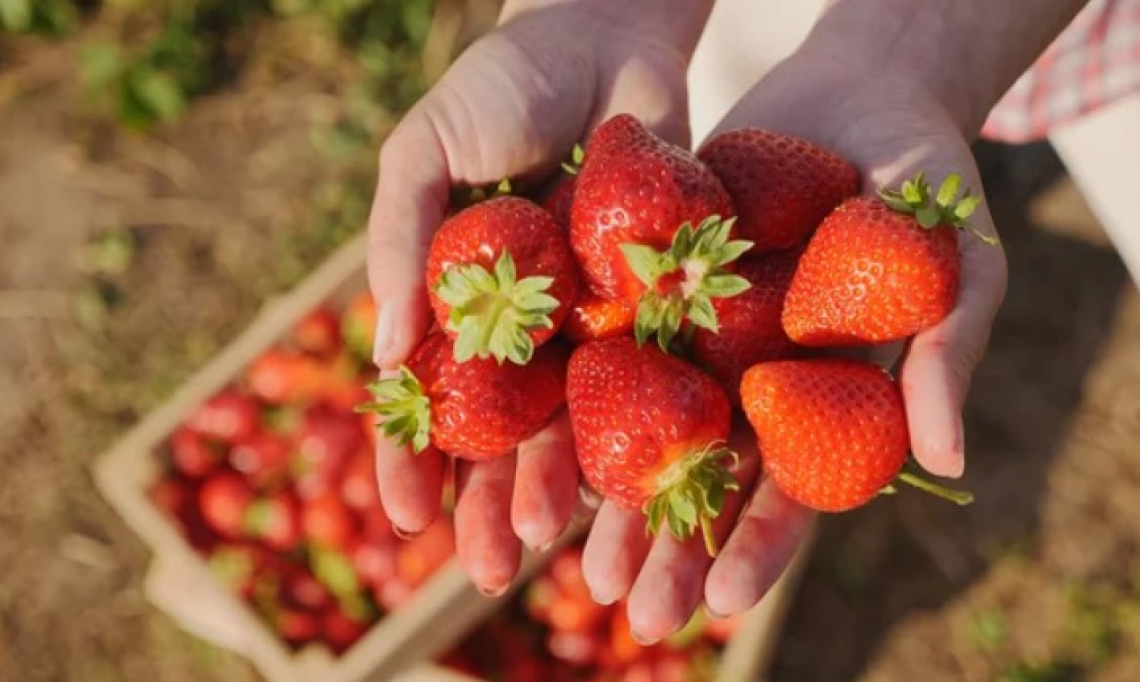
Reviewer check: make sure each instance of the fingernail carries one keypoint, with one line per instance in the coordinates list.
(713, 614)
(641, 639)
(403, 534)
(383, 337)
(493, 592)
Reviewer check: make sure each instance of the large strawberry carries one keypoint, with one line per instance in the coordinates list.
(880, 268)
(477, 409)
(651, 224)
(650, 431)
(501, 278)
(748, 328)
(832, 433)
(781, 186)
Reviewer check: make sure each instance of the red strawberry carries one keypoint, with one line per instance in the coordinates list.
(358, 325)
(832, 433)
(592, 318)
(297, 627)
(224, 500)
(437, 399)
(341, 630)
(193, 454)
(276, 521)
(420, 557)
(326, 439)
(172, 496)
(327, 522)
(262, 458)
(318, 333)
(880, 269)
(574, 647)
(282, 376)
(301, 588)
(228, 416)
(781, 186)
(375, 562)
(749, 328)
(501, 278)
(650, 432)
(358, 487)
(650, 225)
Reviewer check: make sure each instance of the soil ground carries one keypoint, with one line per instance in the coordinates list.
(127, 260)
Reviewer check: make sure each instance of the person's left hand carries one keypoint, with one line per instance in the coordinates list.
(890, 129)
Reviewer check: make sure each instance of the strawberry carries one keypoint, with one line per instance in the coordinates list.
(592, 318)
(573, 647)
(224, 500)
(193, 454)
(880, 268)
(328, 522)
(281, 376)
(228, 416)
(420, 557)
(301, 588)
(358, 487)
(501, 278)
(832, 433)
(318, 333)
(263, 458)
(275, 520)
(341, 630)
(358, 325)
(296, 626)
(476, 409)
(749, 328)
(650, 431)
(374, 562)
(326, 439)
(781, 186)
(172, 496)
(651, 224)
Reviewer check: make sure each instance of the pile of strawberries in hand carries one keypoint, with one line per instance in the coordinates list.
(555, 632)
(691, 286)
(273, 481)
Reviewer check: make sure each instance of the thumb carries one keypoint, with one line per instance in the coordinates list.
(409, 205)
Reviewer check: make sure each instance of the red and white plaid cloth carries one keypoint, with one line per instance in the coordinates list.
(1095, 61)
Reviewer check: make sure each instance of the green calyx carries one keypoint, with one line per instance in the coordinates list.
(691, 492)
(682, 280)
(493, 313)
(945, 208)
(961, 498)
(574, 165)
(404, 410)
(462, 197)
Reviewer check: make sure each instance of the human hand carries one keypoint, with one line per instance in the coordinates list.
(890, 129)
(512, 106)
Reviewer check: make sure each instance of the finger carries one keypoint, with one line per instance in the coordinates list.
(409, 204)
(671, 584)
(488, 549)
(761, 545)
(614, 552)
(411, 485)
(936, 370)
(546, 485)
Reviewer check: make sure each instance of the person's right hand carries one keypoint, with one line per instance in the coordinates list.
(513, 105)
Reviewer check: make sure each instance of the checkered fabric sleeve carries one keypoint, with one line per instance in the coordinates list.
(1094, 61)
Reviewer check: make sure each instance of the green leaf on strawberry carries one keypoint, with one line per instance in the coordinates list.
(691, 493)
(403, 407)
(682, 280)
(948, 209)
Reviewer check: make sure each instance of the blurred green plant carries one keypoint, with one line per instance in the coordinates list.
(45, 17)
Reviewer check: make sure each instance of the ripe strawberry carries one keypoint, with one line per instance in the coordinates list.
(296, 626)
(358, 325)
(224, 500)
(501, 278)
(832, 433)
(880, 269)
(575, 647)
(193, 454)
(358, 487)
(263, 458)
(420, 557)
(374, 562)
(749, 328)
(651, 224)
(276, 521)
(650, 432)
(283, 376)
(341, 630)
(172, 496)
(318, 333)
(327, 522)
(228, 416)
(592, 318)
(326, 439)
(299, 587)
(781, 186)
(476, 409)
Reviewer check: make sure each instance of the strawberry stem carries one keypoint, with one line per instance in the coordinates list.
(404, 409)
(695, 265)
(959, 497)
(948, 209)
(691, 492)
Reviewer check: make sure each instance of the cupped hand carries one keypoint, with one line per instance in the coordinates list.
(513, 105)
(890, 128)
